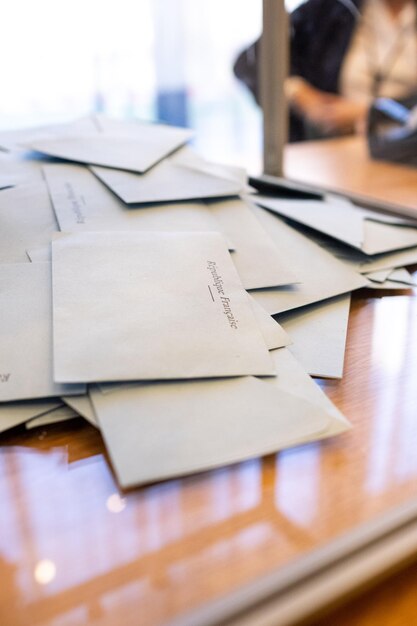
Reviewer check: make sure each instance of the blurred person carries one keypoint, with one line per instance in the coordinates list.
(343, 54)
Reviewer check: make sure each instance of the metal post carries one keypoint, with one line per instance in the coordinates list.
(273, 71)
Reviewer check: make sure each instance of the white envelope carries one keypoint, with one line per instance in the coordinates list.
(161, 430)
(26, 338)
(136, 151)
(81, 202)
(322, 276)
(27, 220)
(318, 333)
(166, 182)
(258, 260)
(140, 306)
(370, 232)
(15, 413)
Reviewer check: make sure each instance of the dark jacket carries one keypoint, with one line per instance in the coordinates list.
(321, 31)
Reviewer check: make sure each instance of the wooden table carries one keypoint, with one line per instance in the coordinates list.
(75, 551)
(344, 165)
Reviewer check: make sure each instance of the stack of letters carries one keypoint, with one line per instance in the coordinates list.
(137, 288)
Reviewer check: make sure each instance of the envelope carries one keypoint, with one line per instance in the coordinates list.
(18, 139)
(272, 332)
(135, 151)
(26, 338)
(158, 134)
(27, 221)
(18, 170)
(370, 232)
(140, 306)
(166, 182)
(39, 255)
(187, 157)
(82, 405)
(380, 276)
(321, 275)
(292, 377)
(258, 260)
(162, 430)
(81, 202)
(348, 255)
(395, 282)
(390, 260)
(318, 333)
(62, 413)
(15, 413)
(6, 182)
(402, 275)
(376, 267)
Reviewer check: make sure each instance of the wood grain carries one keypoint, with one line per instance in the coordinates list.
(74, 550)
(344, 165)
(155, 553)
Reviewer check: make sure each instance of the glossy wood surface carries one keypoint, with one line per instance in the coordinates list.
(393, 603)
(344, 165)
(74, 550)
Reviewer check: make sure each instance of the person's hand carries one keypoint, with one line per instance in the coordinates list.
(329, 113)
(337, 116)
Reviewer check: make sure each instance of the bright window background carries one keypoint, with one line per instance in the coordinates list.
(152, 59)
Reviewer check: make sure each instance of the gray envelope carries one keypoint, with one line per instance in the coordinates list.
(318, 333)
(292, 377)
(140, 306)
(322, 276)
(258, 260)
(166, 182)
(402, 275)
(18, 139)
(273, 333)
(14, 413)
(18, 170)
(27, 220)
(62, 413)
(133, 151)
(26, 338)
(6, 181)
(390, 260)
(82, 405)
(161, 430)
(82, 202)
(369, 231)
(187, 157)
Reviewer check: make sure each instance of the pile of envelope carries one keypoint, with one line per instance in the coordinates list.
(137, 288)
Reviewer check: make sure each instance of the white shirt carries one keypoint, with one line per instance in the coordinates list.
(383, 44)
